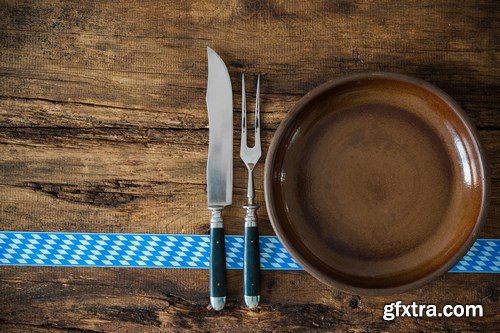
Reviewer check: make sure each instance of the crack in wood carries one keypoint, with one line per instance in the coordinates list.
(49, 326)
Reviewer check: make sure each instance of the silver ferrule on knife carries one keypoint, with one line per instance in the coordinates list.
(216, 217)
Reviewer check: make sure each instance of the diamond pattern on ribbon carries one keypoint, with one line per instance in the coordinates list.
(483, 257)
(174, 251)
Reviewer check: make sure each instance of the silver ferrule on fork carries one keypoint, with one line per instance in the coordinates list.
(251, 216)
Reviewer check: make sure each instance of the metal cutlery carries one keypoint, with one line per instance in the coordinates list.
(219, 170)
(250, 157)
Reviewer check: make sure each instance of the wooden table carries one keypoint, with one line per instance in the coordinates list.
(103, 128)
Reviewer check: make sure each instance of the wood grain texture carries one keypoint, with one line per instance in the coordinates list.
(103, 128)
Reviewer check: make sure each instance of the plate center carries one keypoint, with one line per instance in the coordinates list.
(374, 182)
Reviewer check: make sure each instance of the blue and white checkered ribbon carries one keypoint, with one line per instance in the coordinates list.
(174, 251)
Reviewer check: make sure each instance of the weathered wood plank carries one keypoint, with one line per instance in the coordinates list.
(133, 180)
(156, 300)
(81, 55)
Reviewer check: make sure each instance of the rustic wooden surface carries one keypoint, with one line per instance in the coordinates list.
(103, 128)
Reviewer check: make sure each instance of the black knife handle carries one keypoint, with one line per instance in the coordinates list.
(251, 259)
(217, 260)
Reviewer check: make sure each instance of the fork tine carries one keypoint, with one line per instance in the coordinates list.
(257, 114)
(243, 113)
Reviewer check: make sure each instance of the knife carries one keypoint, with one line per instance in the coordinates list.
(219, 170)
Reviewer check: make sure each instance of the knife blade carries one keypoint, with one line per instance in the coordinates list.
(219, 169)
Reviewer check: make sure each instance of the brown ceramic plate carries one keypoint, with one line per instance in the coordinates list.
(376, 183)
